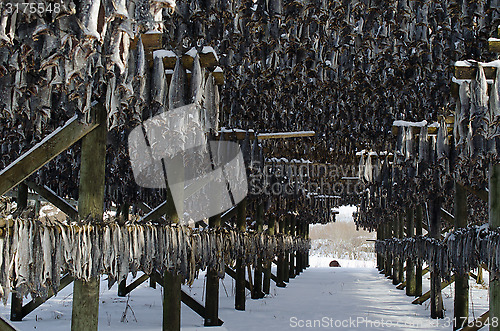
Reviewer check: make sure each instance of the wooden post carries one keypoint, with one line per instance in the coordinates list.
(410, 267)
(395, 259)
(461, 301)
(212, 287)
(267, 269)
(418, 267)
(400, 236)
(435, 232)
(257, 280)
(17, 301)
(239, 303)
(281, 258)
(291, 269)
(171, 302)
(171, 280)
(286, 276)
(388, 260)
(90, 206)
(306, 225)
(494, 223)
(298, 255)
(379, 256)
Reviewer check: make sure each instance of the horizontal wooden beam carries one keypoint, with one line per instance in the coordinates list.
(463, 72)
(38, 301)
(494, 45)
(54, 199)
(43, 152)
(240, 135)
(427, 295)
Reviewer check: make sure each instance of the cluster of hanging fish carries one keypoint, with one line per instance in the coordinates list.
(477, 125)
(461, 251)
(33, 256)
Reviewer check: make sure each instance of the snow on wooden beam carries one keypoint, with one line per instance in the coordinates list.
(415, 126)
(54, 199)
(494, 45)
(468, 69)
(43, 152)
(240, 134)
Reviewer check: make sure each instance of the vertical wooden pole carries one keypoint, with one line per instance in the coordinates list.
(388, 260)
(400, 236)
(90, 206)
(16, 304)
(239, 303)
(461, 300)
(418, 267)
(306, 225)
(267, 270)
(435, 232)
(410, 267)
(291, 269)
(171, 280)
(212, 287)
(171, 301)
(494, 223)
(395, 259)
(379, 256)
(286, 276)
(281, 258)
(257, 280)
(298, 255)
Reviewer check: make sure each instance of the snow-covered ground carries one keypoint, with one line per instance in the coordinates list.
(352, 297)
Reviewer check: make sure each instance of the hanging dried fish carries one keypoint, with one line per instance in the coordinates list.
(176, 91)
(478, 127)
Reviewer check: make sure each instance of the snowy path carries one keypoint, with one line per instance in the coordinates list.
(349, 298)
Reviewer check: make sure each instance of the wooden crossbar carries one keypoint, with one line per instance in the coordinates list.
(231, 273)
(155, 213)
(132, 286)
(38, 301)
(54, 199)
(6, 326)
(403, 284)
(186, 299)
(478, 323)
(240, 135)
(427, 294)
(43, 152)
(228, 214)
(481, 194)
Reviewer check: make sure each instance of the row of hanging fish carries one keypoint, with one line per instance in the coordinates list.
(460, 251)
(33, 256)
(343, 69)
